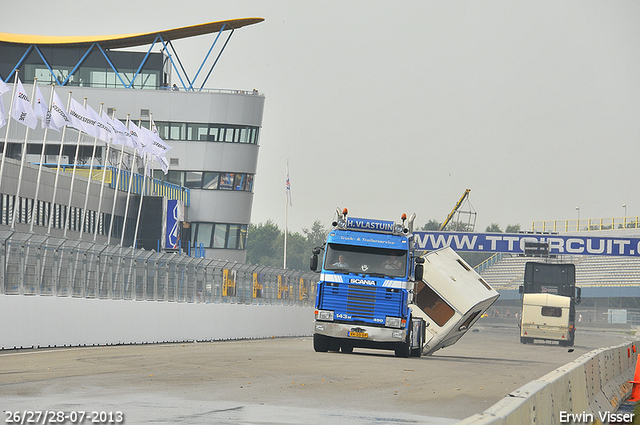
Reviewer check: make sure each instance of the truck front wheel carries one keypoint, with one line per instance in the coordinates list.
(403, 349)
(321, 343)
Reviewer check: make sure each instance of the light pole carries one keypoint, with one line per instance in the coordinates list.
(578, 222)
(625, 215)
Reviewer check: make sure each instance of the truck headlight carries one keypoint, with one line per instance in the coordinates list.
(326, 315)
(394, 322)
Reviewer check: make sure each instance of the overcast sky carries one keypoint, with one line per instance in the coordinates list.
(387, 107)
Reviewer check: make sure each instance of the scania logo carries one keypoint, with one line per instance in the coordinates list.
(363, 281)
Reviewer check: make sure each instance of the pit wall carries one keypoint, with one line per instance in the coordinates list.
(38, 321)
(593, 383)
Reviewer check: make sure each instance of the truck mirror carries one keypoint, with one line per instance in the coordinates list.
(313, 263)
(579, 295)
(418, 272)
(521, 289)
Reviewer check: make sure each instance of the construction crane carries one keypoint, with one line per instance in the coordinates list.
(465, 196)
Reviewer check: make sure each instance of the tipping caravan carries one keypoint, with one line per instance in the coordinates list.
(451, 298)
(376, 291)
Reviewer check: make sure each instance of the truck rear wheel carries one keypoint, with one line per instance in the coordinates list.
(321, 343)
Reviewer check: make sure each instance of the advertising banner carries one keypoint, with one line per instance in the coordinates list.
(515, 243)
(175, 216)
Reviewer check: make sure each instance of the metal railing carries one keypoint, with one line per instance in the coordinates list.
(152, 186)
(43, 265)
(586, 224)
(488, 262)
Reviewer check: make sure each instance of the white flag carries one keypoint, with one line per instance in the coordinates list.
(3, 115)
(157, 147)
(80, 119)
(142, 140)
(164, 164)
(288, 186)
(4, 87)
(123, 135)
(22, 110)
(117, 136)
(59, 118)
(40, 108)
(103, 129)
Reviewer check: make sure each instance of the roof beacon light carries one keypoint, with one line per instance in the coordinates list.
(399, 228)
(344, 213)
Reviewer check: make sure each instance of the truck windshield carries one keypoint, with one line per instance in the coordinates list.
(366, 260)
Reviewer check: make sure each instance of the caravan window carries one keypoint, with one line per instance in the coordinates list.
(552, 311)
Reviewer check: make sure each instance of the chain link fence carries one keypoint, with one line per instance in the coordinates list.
(51, 266)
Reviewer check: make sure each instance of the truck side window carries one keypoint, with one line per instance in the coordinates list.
(552, 311)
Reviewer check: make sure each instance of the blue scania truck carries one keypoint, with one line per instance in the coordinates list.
(376, 291)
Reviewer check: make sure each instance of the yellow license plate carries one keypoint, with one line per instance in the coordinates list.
(359, 334)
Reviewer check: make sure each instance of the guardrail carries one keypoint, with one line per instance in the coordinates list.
(586, 224)
(583, 391)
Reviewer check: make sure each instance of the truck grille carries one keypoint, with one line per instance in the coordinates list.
(361, 301)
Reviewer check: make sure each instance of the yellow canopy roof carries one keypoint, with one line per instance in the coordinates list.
(126, 40)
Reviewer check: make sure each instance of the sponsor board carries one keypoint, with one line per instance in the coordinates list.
(514, 243)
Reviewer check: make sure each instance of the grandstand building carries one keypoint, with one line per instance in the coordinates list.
(610, 284)
(214, 136)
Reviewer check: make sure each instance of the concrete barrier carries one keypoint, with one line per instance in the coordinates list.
(40, 321)
(595, 383)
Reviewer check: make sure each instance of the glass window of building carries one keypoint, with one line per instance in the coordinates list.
(238, 181)
(229, 135)
(220, 236)
(203, 234)
(242, 239)
(193, 179)
(226, 181)
(248, 183)
(178, 131)
(244, 135)
(197, 132)
(175, 177)
(163, 129)
(210, 180)
(232, 239)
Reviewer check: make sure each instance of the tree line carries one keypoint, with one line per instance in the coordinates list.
(265, 243)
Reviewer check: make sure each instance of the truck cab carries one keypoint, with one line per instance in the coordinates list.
(376, 291)
(366, 279)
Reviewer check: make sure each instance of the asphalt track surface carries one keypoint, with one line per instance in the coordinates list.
(280, 380)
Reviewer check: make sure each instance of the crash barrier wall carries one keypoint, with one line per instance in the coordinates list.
(58, 292)
(594, 384)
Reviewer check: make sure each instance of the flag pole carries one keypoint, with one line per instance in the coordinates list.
(144, 181)
(86, 197)
(22, 160)
(286, 214)
(73, 177)
(126, 208)
(55, 184)
(42, 160)
(6, 134)
(115, 192)
(104, 174)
